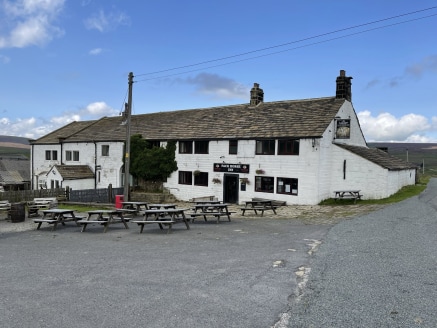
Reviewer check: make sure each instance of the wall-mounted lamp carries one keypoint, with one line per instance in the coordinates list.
(313, 142)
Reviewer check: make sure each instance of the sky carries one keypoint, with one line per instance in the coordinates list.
(69, 60)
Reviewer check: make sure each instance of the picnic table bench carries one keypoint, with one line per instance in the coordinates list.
(38, 204)
(55, 216)
(213, 209)
(347, 194)
(105, 218)
(258, 205)
(163, 216)
(5, 206)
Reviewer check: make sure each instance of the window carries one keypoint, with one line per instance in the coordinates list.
(105, 150)
(264, 184)
(288, 147)
(233, 147)
(201, 179)
(265, 147)
(286, 186)
(153, 143)
(51, 155)
(76, 155)
(68, 155)
(201, 147)
(185, 147)
(185, 177)
(42, 184)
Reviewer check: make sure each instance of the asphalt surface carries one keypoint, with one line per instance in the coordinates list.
(232, 274)
(377, 270)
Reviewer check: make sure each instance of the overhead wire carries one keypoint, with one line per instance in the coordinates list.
(285, 44)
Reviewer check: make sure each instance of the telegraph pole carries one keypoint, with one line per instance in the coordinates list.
(128, 111)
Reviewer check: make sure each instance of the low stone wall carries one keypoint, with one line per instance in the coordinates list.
(152, 197)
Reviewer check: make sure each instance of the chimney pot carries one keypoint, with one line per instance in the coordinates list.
(256, 95)
(344, 86)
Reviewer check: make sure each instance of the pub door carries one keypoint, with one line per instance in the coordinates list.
(230, 188)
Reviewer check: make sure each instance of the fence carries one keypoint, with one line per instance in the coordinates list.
(106, 195)
(15, 196)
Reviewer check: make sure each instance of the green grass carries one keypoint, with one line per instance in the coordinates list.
(404, 193)
(81, 208)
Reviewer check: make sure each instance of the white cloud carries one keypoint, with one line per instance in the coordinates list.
(35, 128)
(95, 51)
(104, 22)
(30, 22)
(387, 127)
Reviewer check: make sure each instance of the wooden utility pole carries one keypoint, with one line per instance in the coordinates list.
(128, 111)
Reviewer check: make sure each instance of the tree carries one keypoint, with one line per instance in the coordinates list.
(151, 163)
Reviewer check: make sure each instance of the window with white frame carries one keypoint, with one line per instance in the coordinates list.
(105, 150)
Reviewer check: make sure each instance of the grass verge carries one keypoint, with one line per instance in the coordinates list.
(404, 193)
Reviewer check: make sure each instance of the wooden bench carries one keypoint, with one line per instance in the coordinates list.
(5, 206)
(347, 194)
(258, 205)
(217, 215)
(142, 223)
(38, 204)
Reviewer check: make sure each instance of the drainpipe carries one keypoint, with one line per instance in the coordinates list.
(95, 165)
(32, 175)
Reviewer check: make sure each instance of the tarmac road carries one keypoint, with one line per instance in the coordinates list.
(377, 270)
(232, 274)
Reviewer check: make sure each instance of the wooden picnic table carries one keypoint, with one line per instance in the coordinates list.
(200, 202)
(105, 218)
(214, 209)
(161, 206)
(163, 216)
(347, 194)
(134, 207)
(258, 205)
(55, 216)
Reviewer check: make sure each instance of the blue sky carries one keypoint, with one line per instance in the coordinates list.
(65, 60)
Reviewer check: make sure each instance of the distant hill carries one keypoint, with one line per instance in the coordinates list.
(14, 145)
(417, 153)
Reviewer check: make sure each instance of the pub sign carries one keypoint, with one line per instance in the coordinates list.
(234, 168)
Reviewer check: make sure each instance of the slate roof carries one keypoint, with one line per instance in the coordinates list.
(64, 132)
(281, 119)
(14, 169)
(74, 172)
(379, 157)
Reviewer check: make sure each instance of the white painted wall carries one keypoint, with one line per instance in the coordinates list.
(89, 154)
(374, 181)
(303, 167)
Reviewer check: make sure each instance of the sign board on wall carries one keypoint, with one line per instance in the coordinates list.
(234, 168)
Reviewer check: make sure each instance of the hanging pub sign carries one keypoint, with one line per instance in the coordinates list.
(235, 168)
(343, 129)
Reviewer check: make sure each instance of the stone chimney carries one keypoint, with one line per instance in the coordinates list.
(344, 86)
(256, 95)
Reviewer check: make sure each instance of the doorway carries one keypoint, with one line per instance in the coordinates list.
(230, 188)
